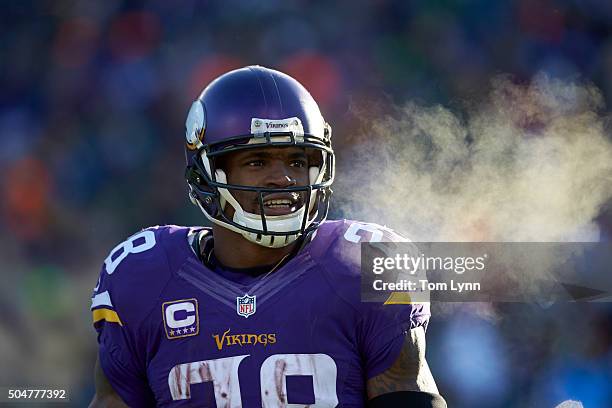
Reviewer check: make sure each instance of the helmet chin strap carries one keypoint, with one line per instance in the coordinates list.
(274, 223)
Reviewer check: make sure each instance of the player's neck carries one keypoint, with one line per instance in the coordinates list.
(233, 250)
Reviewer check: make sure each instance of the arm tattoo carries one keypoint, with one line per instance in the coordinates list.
(409, 372)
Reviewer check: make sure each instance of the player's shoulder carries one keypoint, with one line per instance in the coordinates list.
(337, 243)
(144, 252)
(137, 269)
(360, 231)
(337, 249)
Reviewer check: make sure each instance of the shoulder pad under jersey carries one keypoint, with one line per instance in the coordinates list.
(134, 274)
(337, 249)
(339, 242)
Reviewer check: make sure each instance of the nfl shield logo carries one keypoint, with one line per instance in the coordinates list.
(245, 305)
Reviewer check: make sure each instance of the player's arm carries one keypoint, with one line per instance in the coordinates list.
(121, 374)
(408, 382)
(105, 396)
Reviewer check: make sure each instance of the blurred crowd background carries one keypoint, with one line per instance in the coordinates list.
(93, 97)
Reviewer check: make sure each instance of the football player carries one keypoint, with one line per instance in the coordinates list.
(263, 309)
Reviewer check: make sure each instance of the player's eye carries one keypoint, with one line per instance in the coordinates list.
(298, 163)
(255, 163)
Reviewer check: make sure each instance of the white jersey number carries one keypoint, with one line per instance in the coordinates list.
(127, 247)
(276, 368)
(223, 373)
(352, 235)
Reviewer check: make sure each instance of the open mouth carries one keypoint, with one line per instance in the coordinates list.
(281, 203)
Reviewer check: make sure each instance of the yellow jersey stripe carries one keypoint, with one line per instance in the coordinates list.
(398, 298)
(106, 314)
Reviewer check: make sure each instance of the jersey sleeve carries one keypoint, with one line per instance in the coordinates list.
(384, 326)
(121, 368)
(381, 327)
(115, 317)
(382, 331)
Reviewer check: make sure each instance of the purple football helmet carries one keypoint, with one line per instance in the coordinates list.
(250, 108)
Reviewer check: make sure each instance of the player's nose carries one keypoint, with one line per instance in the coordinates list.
(279, 175)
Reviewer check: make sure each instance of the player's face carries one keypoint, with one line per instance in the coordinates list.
(270, 167)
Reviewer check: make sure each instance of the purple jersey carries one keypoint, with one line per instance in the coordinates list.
(174, 333)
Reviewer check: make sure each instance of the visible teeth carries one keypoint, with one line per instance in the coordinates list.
(270, 203)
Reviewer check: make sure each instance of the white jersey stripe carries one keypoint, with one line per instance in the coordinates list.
(101, 299)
